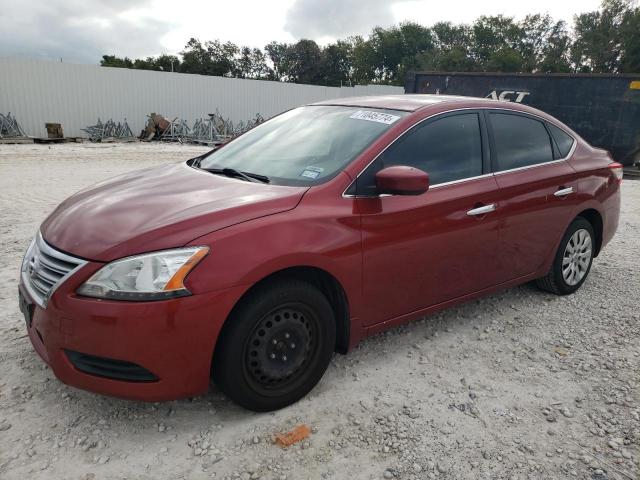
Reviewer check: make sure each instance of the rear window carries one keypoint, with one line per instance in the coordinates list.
(563, 140)
(519, 141)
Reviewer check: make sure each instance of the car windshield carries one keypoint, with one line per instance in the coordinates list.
(304, 146)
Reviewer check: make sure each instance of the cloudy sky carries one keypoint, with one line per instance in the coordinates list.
(81, 31)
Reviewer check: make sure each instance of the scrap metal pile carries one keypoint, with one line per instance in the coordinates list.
(209, 131)
(109, 131)
(10, 128)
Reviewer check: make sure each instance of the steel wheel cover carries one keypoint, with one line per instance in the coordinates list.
(280, 346)
(577, 257)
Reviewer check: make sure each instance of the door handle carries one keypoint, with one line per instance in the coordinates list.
(482, 210)
(563, 192)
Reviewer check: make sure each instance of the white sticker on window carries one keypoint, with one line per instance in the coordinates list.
(379, 117)
(312, 172)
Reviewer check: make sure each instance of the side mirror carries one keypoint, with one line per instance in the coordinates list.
(401, 180)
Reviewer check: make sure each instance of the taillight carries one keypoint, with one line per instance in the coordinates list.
(616, 169)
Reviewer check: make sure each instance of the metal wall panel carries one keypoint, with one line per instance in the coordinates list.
(37, 91)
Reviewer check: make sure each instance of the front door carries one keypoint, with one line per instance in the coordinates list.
(422, 250)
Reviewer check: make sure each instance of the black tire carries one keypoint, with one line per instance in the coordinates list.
(275, 346)
(555, 281)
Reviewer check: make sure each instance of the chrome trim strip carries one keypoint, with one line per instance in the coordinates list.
(437, 185)
(528, 167)
(462, 180)
(573, 148)
(40, 245)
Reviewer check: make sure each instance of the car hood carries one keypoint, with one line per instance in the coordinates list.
(158, 208)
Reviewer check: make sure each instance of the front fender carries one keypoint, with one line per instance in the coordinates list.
(246, 253)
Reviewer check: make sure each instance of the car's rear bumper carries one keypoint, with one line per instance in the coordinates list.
(611, 216)
(173, 340)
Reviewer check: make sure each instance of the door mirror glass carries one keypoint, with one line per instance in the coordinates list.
(401, 180)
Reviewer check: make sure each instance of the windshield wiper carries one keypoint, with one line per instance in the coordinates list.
(232, 172)
(196, 161)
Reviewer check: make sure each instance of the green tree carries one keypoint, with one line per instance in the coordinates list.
(280, 56)
(497, 41)
(144, 63)
(544, 45)
(212, 58)
(195, 58)
(630, 31)
(606, 40)
(598, 41)
(555, 57)
(391, 52)
(167, 63)
(416, 41)
(113, 61)
(305, 64)
(364, 61)
(252, 63)
(337, 63)
(505, 59)
(386, 53)
(451, 50)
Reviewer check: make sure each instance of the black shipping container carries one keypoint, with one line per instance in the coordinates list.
(603, 109)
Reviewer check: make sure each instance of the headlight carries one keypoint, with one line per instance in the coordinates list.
(152, 276)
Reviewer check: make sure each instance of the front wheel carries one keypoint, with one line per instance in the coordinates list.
(573, 260)
(275, 346)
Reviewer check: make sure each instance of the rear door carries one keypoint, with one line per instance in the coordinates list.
(538, 189)
(422, 250)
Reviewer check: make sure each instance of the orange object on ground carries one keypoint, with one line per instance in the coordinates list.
(294, 436)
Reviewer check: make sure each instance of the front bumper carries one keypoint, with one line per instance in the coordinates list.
(173, 339)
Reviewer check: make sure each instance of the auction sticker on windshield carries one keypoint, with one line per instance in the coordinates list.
(379, 117)
(312, 172)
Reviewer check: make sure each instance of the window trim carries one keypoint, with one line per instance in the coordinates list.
(484, 127)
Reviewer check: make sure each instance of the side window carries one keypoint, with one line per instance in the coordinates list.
(447, 149)
(519, 141)
(563, 140)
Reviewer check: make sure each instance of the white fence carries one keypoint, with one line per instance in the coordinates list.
(37, 91)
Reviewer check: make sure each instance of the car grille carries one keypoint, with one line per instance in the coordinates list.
(44, 269)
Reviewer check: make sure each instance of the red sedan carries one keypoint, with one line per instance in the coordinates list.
(253, 263)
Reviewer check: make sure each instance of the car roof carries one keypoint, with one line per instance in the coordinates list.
(408, 103)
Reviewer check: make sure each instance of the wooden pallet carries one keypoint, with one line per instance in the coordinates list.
(59, 140)
(13, 140)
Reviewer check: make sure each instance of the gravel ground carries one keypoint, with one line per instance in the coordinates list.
(518, 385)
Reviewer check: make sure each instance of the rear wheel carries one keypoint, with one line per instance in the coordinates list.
(276, 346)
(573, 259)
